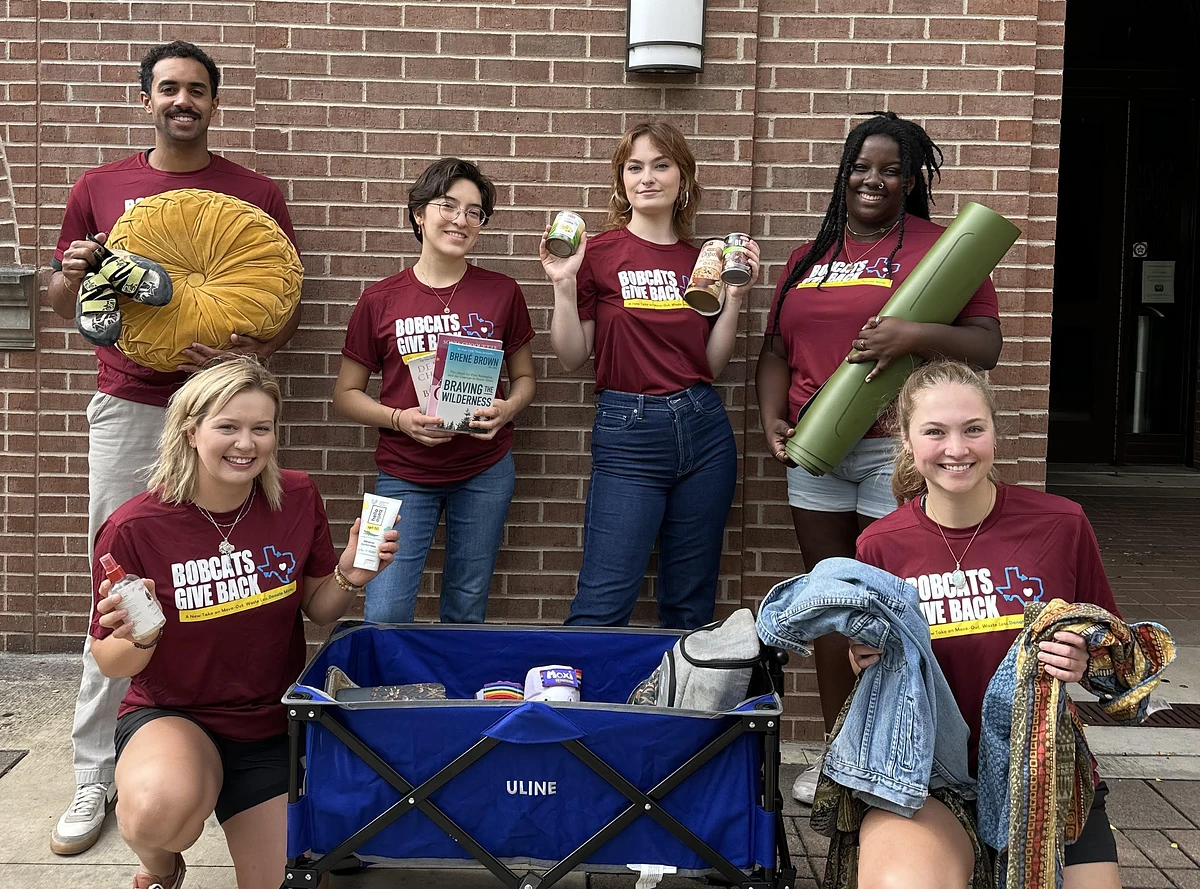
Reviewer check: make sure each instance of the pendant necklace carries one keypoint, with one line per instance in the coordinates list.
(226, 548)
(445, 302)
(958, 579)
(864, 254)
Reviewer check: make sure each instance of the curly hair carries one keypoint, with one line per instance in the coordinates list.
(178, 49)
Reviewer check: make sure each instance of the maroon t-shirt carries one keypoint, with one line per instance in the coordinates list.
(819, 324)
(648, 340)
(97, 201)
(399, 319)
(1033, 547)
(234, 637)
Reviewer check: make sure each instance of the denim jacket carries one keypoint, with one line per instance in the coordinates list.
(903, 733)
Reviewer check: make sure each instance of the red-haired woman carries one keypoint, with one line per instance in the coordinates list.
(663, 454)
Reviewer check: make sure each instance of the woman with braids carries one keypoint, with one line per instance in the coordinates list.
(664, 461)
(976, 550)
(826, 310)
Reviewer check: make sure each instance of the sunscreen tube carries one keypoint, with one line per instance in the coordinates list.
(378, 515)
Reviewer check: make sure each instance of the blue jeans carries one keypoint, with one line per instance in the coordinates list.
(475, 512)
(663, 468)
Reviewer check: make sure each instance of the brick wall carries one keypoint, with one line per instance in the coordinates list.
(345, 103)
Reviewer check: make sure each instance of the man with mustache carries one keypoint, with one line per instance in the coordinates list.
(179, 85)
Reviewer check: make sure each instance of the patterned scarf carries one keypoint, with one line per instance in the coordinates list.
(1030, 723)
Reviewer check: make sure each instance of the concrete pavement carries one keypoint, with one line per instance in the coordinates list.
(1157, 815)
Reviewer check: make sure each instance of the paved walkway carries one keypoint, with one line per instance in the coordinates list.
(1146, 530)
(1157, 824)
(1158, 821)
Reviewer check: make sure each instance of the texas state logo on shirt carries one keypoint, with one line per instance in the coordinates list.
(871, 272)
(652, 289)
(416, 335)
(987, 604)
(220, 585)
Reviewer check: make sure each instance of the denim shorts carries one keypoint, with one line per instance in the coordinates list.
(253, 771)
(861, 483)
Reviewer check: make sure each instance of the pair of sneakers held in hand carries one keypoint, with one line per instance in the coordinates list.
(117, 273)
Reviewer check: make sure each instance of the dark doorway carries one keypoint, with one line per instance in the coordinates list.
(1123, 351)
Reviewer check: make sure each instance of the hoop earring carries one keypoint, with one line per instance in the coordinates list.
(616, 200)
(687, 196)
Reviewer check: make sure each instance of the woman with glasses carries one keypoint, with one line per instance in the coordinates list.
(468, 477)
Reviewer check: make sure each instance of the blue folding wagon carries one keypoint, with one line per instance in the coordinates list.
(531, 791)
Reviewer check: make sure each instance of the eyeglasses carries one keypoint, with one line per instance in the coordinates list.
(475, 216)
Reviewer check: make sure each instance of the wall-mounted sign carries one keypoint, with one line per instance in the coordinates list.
(1158, 281)
(1140, 249)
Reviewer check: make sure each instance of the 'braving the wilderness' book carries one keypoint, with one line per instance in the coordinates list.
(466, 373)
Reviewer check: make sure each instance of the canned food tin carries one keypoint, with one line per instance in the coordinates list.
(704, 293)
(564, 235)
(737, 269)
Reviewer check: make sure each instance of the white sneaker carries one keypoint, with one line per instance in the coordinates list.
(79, 827)
(805, 788)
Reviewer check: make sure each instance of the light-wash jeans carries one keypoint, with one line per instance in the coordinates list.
(122, 445)
(475, 510)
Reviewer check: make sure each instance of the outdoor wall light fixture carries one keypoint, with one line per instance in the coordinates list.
(665, 36)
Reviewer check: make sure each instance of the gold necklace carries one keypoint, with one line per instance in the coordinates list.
(863, 255)
(958, 579)
(445, 302)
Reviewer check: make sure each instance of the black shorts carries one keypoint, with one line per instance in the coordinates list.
(1096, 842)
(255, 771)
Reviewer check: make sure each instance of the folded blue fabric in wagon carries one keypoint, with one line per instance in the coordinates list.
(903, 734)
(708, 669)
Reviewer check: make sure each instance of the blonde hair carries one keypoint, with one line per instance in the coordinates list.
(174, 474)
(671, 142)
(907, 481)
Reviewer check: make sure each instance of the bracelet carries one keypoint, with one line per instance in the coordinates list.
(395, 411)
(345, 584)
(148, 645)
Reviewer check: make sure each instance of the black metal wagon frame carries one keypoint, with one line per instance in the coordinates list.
(306, 871)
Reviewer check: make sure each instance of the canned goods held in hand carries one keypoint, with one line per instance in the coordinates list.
(565, 233)
(704, 293)
(737, 270)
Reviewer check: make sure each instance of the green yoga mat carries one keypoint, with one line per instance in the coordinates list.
(840, 413)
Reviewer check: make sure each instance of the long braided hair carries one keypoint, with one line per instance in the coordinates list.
(920, 160)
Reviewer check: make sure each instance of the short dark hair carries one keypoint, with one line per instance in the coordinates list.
(178, 49)
(438, 179)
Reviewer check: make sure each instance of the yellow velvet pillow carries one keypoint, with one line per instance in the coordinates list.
(232, 268)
